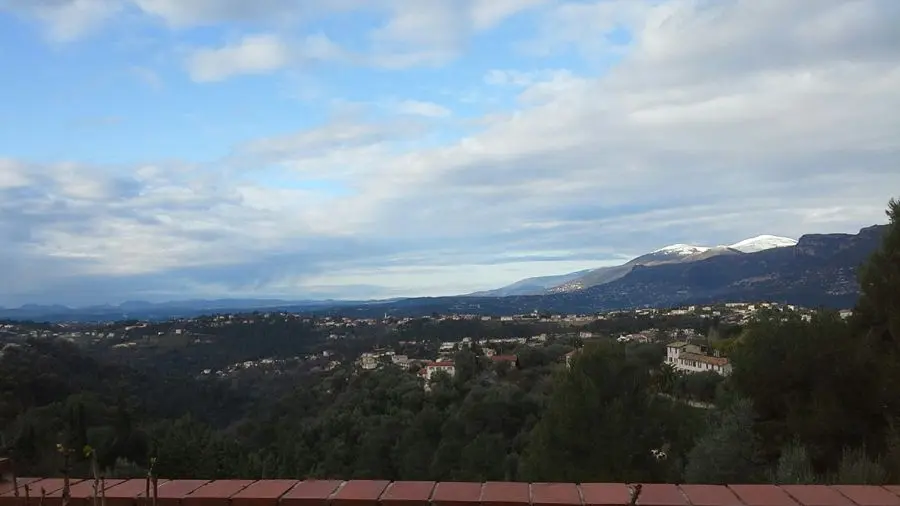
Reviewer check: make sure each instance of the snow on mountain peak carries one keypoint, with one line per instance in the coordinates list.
(763, 242)
(758, 243)
(682, 249)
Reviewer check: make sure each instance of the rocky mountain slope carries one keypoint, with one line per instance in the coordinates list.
(820, 270)
(675, 253)
(530, 286)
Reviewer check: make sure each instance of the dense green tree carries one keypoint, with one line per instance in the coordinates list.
(729, 452)
(594, 427)
(877, 314)
(878, 309)
(779, 367)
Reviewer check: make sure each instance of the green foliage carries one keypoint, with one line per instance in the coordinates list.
(780, 367)
(878, 309)
(877, 313)
(794, 466)
(856, 468)
(595, 425)
(729, 452)
(700, 386)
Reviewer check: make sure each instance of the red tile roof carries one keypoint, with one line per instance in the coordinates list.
(385, 493)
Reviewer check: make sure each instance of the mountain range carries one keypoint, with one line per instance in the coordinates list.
(816, 270)
(142, 310)
(819, 270)
(675, 253)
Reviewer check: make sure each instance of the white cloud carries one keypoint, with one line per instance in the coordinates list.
(180, 14)
(258, 54)
(487, 13)
(66, 20)
(253, 54)
(721, 121)
(434, 32)
(13, 175)
(421, 108)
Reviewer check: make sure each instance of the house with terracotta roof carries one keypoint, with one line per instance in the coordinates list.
(691, 358)
(431, 368)
(510, 359)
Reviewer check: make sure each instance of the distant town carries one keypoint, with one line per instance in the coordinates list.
(687, 350)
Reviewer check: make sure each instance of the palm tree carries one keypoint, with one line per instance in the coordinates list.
(665, 378)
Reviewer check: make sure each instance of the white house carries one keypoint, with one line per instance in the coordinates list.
(368, 361)
(401, 361)
(688, 358)
(446, 366)
(432, 368)
(696, 362)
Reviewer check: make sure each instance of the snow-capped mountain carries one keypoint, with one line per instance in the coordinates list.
(674, 253)
(763, 242)
(681, 249)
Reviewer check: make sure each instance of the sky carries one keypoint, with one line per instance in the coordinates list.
(174, 149)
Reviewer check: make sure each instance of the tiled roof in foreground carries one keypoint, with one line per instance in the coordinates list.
(412, 493)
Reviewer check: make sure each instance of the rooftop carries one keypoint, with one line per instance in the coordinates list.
(385, 493)
(717, 361)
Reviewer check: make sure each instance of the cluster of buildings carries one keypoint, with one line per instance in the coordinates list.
(444, 362)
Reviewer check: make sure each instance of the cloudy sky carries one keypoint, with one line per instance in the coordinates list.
(170, 149)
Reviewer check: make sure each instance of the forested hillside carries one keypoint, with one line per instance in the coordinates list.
(810, 399)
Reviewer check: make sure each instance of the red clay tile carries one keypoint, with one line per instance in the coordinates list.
(359, 493)
(8, 487)
(127, 492)
(310, 493)
(449, 493)
(498, 493)
(551, 494)
(868, 495)
(605, 494)
(80, 494)
(894, 489)
(215, 493)
(49, 487)
(407, 493)
(171, 493)
(762, 495)
(8, 495)
(661, 494)
(710, 495)
(263, 493)
(816, 495)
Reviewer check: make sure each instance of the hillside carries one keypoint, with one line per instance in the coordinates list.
(820, 270)
(531, 285)
(675, 253)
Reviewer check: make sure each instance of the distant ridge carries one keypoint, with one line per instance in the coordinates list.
(819, 270)
(673, 253)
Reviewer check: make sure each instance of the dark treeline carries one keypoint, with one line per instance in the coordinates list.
(810, 400)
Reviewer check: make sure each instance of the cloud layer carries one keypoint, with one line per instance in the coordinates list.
(615, 127)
